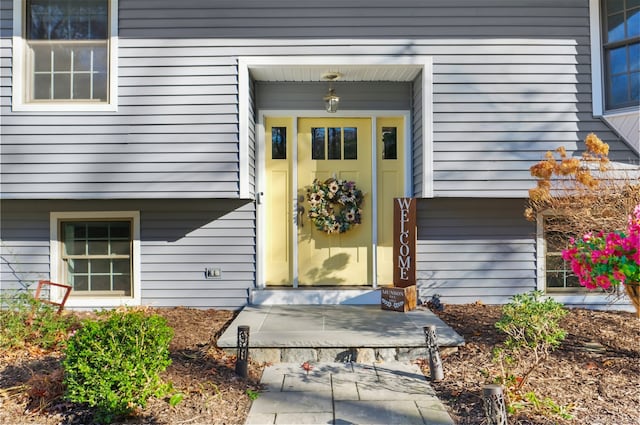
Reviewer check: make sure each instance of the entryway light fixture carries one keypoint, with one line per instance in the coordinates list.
(331, 100)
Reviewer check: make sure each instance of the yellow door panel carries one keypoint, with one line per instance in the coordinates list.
(330, 259)
(278, 201)
(335, 148)
(390, 160)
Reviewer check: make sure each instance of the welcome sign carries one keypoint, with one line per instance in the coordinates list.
(404, 242)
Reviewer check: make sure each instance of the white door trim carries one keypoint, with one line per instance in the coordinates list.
(260, 176)
(425, 110)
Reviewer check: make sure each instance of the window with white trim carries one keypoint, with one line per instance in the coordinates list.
(97, 253)
(621, 52)
(558, 274)
(96, 257)
(64, 54)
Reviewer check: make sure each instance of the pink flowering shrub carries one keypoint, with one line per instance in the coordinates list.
(607, 260)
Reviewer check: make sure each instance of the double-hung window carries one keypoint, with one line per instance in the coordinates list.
(97, 254)
(64, 54)
(555, 276)
(621, 47)
(558, 276)
(96, 257)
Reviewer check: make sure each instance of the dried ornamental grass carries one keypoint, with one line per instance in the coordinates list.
(583, 193)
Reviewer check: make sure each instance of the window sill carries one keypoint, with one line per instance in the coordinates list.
(97, 302)
(576, 291)
(629, 110)
(64, 107)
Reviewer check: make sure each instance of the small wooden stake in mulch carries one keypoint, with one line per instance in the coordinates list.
(242, 358)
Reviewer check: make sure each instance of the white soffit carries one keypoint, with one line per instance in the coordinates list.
(301, 73)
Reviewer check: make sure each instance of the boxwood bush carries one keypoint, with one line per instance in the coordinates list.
(113, 363)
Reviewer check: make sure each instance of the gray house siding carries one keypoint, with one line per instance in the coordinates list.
(474, 249)
(353, 96)
(177, 241)
(24, 246)
(511, 80)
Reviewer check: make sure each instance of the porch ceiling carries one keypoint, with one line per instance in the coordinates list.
(302, 73)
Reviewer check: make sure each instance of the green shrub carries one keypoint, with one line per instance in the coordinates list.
(532, 326)
(545, 406)
(114, 364)
(25, 321)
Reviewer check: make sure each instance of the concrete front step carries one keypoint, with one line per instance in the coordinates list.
(336, 333)
(314, 296)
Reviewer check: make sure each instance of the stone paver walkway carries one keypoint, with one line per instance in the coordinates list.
(347, 393)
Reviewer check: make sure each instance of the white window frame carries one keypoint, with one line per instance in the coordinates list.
(55, 247)
(598, 84)
(542, 260)
(20, 69)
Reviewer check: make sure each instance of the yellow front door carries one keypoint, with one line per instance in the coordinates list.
(330, 148)
(334, 148)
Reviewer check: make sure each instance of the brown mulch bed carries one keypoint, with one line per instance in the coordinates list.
(599, 387)
(595, 373)
(31, 390)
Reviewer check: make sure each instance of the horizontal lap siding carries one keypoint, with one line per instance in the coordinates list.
(353, 96)
(495, 115)
(6, 20)
(24, 247)
(477, 249)
(511, 80)
(175, 134)
(335, 19)
(178, 240)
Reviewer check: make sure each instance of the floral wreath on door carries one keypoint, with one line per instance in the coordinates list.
(335, 205)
